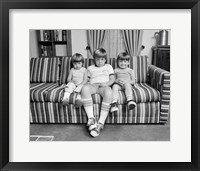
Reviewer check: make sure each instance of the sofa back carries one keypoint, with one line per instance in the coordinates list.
(139, 64)
(44, 70)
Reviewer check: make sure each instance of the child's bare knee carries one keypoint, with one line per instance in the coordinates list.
(108, 92)
(85, 90)
(127, 85)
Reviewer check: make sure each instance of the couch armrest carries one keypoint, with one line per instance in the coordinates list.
(160, 80)
(158, 77)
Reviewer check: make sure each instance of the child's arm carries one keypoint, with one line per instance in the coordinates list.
(111, 80)
(132, 82)
(69, 78)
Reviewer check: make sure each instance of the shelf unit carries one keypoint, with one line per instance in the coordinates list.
(54, 43)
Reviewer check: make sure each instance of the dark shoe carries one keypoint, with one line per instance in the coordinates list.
(131, 105)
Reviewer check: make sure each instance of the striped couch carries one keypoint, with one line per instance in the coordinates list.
(49, 75)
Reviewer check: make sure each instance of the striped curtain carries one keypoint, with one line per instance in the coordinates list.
(95, 40)
(133, 41)
(114, 43)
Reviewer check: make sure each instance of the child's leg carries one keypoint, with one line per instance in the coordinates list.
(106, 93)
(68, 90)
(129, 96)
(78, 101)
(86, 95)
(115, 91)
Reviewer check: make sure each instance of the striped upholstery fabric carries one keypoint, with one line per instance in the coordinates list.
(139, 64)
(160, 79)
(56, 113)
(44, 70)
(142, 92)
(54, 94)
(46, 92)
(38, 91)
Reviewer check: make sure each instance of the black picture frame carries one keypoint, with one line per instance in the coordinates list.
(6, 5)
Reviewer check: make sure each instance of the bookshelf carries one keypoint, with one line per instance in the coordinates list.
(54, 43)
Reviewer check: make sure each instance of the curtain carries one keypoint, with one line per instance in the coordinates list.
(133, 41)
(95, 40)
(114, 43)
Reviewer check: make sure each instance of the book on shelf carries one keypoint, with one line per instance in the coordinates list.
(46, 50)
(45, 35)
(61, 50)
(64, 35)
(60, 35)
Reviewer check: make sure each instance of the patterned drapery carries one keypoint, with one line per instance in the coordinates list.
(95, 39)
(133, 41)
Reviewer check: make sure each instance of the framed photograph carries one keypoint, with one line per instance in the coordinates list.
(46, 118)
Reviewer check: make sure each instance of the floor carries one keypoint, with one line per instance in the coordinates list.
(111, 132)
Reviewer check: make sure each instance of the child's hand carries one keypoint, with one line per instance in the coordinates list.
(74, 81)
(119, 82)
(103, 85)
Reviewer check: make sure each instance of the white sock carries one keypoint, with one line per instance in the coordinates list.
(78, 97)
(105, 107)
(66, 96)
(88, 105)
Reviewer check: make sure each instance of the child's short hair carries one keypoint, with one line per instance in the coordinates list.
(77, 57)
(100, 53)
(123, 56)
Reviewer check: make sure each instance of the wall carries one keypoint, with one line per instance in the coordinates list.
(33, 52)
(79, 42)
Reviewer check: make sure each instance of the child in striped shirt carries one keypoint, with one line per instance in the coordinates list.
(124, 79)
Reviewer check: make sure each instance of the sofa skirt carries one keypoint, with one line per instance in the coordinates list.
(49, 112)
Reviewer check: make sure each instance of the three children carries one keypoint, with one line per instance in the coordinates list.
(99, 78)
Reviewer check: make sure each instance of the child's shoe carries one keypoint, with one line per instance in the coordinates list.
(95, 132)
(91, 124)
(65, 101)
(131, 105)
(78, 101)
(114, 107)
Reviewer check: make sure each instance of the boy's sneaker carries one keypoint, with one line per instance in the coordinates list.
(131, 105)
(91, 124)
(95, 132)
(114, 107)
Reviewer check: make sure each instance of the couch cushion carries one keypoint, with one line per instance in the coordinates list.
(44, 70)
(54, 94)
(38, 91)
(142, 93)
